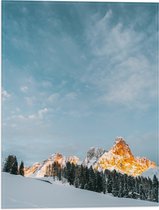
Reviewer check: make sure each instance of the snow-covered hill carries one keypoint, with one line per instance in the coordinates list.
(23, 192)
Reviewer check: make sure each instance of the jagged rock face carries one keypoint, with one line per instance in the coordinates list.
(28, 171)
(93, 155)
(121, 159)
(121, 148)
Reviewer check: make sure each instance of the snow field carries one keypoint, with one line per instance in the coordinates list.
(22, 192)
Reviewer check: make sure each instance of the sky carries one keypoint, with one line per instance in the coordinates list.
(77, 75)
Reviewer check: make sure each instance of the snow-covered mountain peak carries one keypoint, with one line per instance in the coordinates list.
(120, 158)
(93, 154)
(120, 138)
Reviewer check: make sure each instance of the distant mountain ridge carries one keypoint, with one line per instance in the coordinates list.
(39, 169)
(119, 157)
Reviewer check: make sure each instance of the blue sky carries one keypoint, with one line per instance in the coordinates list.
(77, 75)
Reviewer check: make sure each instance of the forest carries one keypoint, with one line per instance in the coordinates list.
(119, 185)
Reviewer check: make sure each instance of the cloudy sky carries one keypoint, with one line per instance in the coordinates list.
(77, 75)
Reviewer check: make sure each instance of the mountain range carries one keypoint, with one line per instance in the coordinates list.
(119, 157)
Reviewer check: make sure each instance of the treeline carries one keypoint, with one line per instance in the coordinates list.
(119, 185)
(11, 166)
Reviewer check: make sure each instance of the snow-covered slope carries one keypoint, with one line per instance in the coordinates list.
(151, 172)
(23, 192)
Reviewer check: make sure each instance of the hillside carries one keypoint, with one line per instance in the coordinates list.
(23, 192)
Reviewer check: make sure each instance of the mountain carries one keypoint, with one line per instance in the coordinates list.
(29, 171)
(39, 169)
(120, 158)
(93, 155)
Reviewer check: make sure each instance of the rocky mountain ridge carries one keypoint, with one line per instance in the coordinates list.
(119, 157)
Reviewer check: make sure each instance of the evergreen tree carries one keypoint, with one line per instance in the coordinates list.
(21, 169)
(125, 190)
(155, 189)
(91, 180)
(137, 186)
(11, 165)
(77, 182)
(72, 174)
(99, 186)
(82, 177)
(115, 183)
(14, 169)
(104, 182)
(77, 174)
(149, 196)
(109, 183)
(121, 186)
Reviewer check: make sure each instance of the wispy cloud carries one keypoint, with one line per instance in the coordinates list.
(5, 95)
(42, 112)
(24, 89)
(39, 115)
(121, 70)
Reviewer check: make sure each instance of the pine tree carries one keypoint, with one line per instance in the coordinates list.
(155, 189)
(77, 174)
(125, 190)
(21, 169)
(121, 186)
(104, 182)
(109, 183)
(91, 180)
(137, 185)
(76, 183)
(149, 197)
(11, 165)
(70, 171)
(82, 179)
(14, 169)
(99, 186)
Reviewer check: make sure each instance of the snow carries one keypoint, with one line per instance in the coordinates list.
(151, 172)
(93, 154)
(24, 192)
